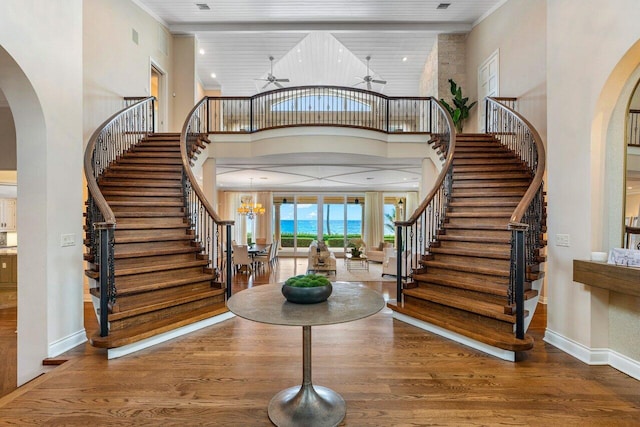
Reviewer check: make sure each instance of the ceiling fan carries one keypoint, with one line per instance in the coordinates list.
(271, 78)
(368, 79)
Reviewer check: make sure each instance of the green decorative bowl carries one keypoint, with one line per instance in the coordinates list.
(309, 295)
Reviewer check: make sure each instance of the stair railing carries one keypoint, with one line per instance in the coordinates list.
(211, 233)
(527, 220)
(115, 136)
(415, 235)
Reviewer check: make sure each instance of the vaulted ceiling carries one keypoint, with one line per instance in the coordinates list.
(316, 43)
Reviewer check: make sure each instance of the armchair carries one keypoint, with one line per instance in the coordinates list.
(390, 263)
(376, 253)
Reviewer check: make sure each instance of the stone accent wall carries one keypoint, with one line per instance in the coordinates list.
(451, 63)
(446, 61)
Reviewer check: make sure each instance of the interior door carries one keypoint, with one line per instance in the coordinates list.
(156, 83)
(488, 85)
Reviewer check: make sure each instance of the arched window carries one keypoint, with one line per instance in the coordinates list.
(321, 103)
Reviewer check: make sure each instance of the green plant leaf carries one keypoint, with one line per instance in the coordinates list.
(453, 86)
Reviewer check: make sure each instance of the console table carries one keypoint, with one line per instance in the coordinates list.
(306, 405)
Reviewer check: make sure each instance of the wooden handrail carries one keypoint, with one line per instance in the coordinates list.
(519, 211)
(443, 173)
(187, 167)
(89, 173)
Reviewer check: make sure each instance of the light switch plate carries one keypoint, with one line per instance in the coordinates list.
(67, 240)
(563, 240)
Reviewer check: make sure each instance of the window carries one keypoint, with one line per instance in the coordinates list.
(321, 103)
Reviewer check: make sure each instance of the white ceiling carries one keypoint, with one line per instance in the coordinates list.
(316, 43)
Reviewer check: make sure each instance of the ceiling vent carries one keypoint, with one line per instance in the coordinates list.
(443, 5)
(204, 6)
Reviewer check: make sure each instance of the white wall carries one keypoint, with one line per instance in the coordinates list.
(518, 30)
(37, 36)
(590, 67)
(115, 66)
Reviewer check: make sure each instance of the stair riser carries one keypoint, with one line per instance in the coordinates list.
(163, 314)
(164, 259)
(435, 309)
(150, 161)
(141, 200)
(143, 183)
(127, 302)
(465, 293)
(147, 175)
(466, 261)
(505, 248)
(143, 279)
(168, 210)
(478, 222)
(481, 278)
(485, 234)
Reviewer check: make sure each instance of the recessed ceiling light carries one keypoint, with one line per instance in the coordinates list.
(201, 51)
(404, 59)
(263, 177)
(299, 51)
(369, 178)
(203, 6)
(213, 75)
(443, 5)
(629, 188)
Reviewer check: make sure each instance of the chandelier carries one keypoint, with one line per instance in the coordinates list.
(249, 208)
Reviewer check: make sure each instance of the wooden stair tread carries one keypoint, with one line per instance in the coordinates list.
(463, 282)
(505, 254)
(162, 280)
(148, 268)
(485, 214)
(112, 181)
(472, 305)
(460, 238)
(470, 267)
(479, 333)
(145, 168)
(131, 335)
(153, 303)
(145, 203)
(136, 250)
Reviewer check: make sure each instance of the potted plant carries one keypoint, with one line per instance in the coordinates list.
(307, 289)
(354, 251)
(461, 110)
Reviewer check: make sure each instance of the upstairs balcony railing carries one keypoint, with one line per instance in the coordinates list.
(319, 106)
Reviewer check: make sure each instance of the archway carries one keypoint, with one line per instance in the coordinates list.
(30, 135)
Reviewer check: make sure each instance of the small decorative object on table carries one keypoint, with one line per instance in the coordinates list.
(307, 289)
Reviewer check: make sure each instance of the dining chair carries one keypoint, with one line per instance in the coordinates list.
(241, 258)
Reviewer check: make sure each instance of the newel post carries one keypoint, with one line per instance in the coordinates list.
(105, 245)
(519, 261)
(399, 270)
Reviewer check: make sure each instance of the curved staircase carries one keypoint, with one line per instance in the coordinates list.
(163, 281)
(461, 283)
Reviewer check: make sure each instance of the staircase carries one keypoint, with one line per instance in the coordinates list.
(462, 282)
(163, 281)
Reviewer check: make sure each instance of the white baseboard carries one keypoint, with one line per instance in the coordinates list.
(58, 347)
(507, 355)
(594, 356)
(146, 343)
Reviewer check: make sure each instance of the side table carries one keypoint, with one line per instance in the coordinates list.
(306, 405)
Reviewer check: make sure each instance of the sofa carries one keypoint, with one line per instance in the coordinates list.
(321, 258)
(376, 254)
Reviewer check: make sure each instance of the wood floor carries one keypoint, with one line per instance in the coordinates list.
(389, 373)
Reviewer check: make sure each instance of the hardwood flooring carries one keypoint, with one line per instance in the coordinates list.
(389, 373)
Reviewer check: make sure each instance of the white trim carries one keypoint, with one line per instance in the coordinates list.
(597, 356)
(58, 347)
(114, 353)
(507, 355)
(624, 364)
(495, 55)
(488, 13)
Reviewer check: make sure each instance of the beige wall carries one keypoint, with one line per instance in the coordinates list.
(518, 31)
(185, 89)
(7, 140)
(115, 66)
(592, 57)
